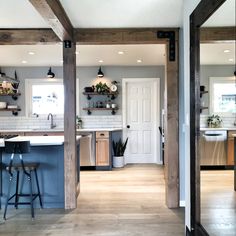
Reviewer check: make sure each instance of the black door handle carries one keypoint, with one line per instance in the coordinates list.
(128, 126)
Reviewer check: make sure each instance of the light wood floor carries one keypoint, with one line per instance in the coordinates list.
(218, 203)
(122, 202)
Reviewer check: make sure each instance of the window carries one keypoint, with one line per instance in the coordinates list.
(222, 95)
(45, 96)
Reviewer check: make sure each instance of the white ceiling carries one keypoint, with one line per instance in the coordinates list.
(224, 16)
(213, 54)
(97, 13)
(88, 55)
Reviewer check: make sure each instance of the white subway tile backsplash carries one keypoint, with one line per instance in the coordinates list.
(15, 123)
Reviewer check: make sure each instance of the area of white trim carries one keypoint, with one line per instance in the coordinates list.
(182, 203)
(156, 102)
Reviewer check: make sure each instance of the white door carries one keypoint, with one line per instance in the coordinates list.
(140, 120)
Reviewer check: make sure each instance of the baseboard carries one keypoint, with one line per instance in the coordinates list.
(182, 203)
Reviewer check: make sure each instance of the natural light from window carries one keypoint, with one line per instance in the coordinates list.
(48, 99)
(223, 95)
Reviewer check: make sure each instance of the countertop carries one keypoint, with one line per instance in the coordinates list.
(220, 129)
(58, 130)
(39, 140)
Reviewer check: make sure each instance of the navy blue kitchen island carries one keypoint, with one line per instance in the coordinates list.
(49, 152)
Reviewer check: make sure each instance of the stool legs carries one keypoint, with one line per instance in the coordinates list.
(8, 195)
(17, 185)
(31, 194)
(37, 183)
(17, 194)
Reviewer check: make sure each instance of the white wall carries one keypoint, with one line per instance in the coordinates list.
(189, 6)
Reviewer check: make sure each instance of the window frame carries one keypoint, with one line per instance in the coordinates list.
(212, 81)
(28, 93)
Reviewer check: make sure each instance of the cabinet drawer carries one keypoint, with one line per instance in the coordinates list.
(230, 134)
(102, 134)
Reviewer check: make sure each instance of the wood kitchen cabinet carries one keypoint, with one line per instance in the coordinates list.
(102, 149)
(230, 148)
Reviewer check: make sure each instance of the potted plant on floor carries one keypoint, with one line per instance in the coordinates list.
(118, 151)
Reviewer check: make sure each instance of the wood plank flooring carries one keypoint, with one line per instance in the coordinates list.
(218, 204)
(123, 202)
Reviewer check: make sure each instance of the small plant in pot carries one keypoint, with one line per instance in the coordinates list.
(118, 151)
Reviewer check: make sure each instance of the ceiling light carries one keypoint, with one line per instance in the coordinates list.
(120, 53)
(50, 74)
(231, 59)
(76, 53)
(100, 73)
(139, 61)
(31, 53)
(101, 61)
(226, 51)
(24, 62)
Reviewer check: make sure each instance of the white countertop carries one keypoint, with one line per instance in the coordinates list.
(58, 130)
(215, 129)
(39, 140)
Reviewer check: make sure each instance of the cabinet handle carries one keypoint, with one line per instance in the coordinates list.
(128, 126)
(102, 134)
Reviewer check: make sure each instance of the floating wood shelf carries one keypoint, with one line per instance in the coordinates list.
(13, 95)
(13, 110)
(90, 109)
(90, 94)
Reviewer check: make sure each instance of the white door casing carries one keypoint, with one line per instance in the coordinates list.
(141, 111)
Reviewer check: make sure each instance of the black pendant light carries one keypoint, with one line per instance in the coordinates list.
(100, 73)
(50, 74)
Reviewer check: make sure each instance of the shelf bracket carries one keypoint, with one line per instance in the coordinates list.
(15, 113)
(89, 112)
(113, 112)
(14, 97)
(89, 97)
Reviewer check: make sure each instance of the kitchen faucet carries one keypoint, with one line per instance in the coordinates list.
(52, 124)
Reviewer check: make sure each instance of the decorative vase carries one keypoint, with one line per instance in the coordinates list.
(118, 161)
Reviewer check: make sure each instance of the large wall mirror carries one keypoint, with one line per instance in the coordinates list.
(213, 109)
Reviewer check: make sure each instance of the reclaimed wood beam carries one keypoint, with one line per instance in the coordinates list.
(70, 148)
(27, 37)
(120, 36)
(217, 34)
(55, 15)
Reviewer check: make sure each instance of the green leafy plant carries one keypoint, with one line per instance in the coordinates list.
(79, 122)
(214, 121)
(102, 87)
(119, 147)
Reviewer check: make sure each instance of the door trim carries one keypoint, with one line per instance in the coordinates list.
(156, 91)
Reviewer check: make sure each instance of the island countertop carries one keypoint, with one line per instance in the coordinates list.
(39, 140)
(217, 129)
(59, 130)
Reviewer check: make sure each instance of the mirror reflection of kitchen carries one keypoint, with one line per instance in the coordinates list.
(218, 124)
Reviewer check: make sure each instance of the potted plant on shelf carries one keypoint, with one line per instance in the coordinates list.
(214, 121)
(118, 151)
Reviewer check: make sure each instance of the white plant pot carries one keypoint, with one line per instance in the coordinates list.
(118, 161)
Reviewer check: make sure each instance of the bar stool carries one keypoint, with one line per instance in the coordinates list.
(26, 168)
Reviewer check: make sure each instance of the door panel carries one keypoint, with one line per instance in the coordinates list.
(141, 112)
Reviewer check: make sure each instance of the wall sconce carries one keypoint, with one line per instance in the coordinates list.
(50, 74)
(100, 73)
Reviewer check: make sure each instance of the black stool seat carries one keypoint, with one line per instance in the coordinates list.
(19, 148)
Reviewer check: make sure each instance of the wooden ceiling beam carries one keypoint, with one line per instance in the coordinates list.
(55, 15)
(217, 34)
(120, 36)
(108, 36)
(27, 37)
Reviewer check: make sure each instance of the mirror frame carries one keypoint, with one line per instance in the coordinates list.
(201, 13)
